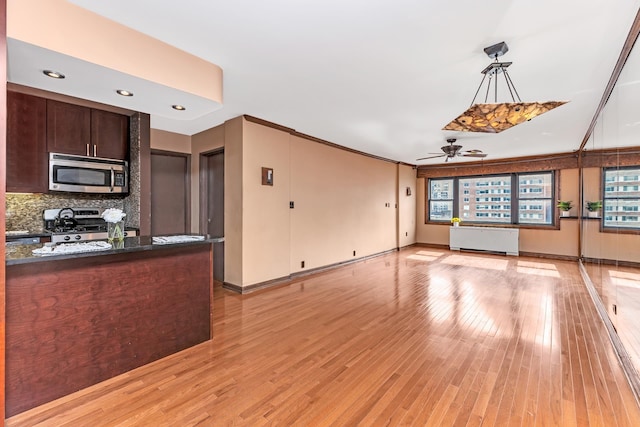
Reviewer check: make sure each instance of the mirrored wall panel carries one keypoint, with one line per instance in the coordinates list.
(610, 221)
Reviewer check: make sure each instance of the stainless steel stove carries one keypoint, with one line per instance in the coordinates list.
(76, 224)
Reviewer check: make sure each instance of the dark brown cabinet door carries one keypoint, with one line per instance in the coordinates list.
(169, 193)
(109, 135)
(68, 128)
(27, 163)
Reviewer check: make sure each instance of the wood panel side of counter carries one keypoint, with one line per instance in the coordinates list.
(73, 323)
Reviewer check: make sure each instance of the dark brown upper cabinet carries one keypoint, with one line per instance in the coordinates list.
(109, 134)
(68, 128)
(74, 129)
(27, 164)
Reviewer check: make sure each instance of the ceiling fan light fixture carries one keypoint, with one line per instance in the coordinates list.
(454, 150)
(497, 117)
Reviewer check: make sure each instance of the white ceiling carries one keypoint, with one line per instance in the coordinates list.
(378, 76)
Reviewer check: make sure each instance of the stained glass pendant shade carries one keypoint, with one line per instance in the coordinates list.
(496, 117)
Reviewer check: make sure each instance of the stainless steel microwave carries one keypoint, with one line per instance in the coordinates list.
(80, 174)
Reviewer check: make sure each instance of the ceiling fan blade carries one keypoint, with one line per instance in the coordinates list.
(474, 155)
(432, 157)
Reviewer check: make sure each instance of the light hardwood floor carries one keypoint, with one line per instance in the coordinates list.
(620, 286)
(418, 337)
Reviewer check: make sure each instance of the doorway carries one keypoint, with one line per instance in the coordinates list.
(169, 193)
(212, 205)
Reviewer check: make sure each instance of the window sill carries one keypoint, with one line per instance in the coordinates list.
(494, 225)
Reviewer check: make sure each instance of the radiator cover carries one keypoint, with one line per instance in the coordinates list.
(493, 239)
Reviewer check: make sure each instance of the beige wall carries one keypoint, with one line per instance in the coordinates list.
(341, 203)
(592, 190)
(609, 246)
(265, 208)
(231, 133)
(170, 141)
(570, 189)
(406, 205)
(344, 202)
(562, 242)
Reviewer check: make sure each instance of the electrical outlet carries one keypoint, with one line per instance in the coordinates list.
(302, 264)
(290, 205)
(615, 309)
(354, 253)
(406, 233)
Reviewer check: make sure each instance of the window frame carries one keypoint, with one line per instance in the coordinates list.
(454, 201)
(604, 198)
(514, 199)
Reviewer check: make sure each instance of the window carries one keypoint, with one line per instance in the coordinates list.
(490, 199)
(621, 202)
(535, 206)
(487, 204)
(441, 199)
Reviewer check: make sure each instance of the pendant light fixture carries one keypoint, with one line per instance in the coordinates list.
(496, 117)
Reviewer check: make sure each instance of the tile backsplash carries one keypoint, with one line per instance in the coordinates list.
(24, 210)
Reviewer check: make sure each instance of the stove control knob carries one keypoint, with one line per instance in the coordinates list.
(77, 237)
(67, 237)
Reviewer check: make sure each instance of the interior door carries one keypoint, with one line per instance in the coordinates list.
(215, 208)
(169, 193)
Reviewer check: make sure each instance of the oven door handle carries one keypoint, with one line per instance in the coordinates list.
(113, 179)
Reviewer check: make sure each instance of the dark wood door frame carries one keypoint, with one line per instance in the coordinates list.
(204, 189)
(187, 181)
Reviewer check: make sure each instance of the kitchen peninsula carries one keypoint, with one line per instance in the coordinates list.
(74, 320)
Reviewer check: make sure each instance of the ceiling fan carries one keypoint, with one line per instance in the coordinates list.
(452, 150)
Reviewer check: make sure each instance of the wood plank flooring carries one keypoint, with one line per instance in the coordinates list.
(619, 286)
(420, 337)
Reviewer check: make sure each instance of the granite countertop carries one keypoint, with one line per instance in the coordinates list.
(23, 254)
(24, 233)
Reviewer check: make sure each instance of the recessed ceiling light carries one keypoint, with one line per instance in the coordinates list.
(178, 107)
(53, 74)
(124, 92)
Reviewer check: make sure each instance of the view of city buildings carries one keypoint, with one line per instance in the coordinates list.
(528, 198)
(490, 199)
(621, 198)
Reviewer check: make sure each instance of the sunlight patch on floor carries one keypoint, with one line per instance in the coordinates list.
(537, 264)
(477, 262)
(537, 268)
(430, 253)
(425, 256)
(623, 278)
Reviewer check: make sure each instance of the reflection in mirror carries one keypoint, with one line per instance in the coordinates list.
(610, 242)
